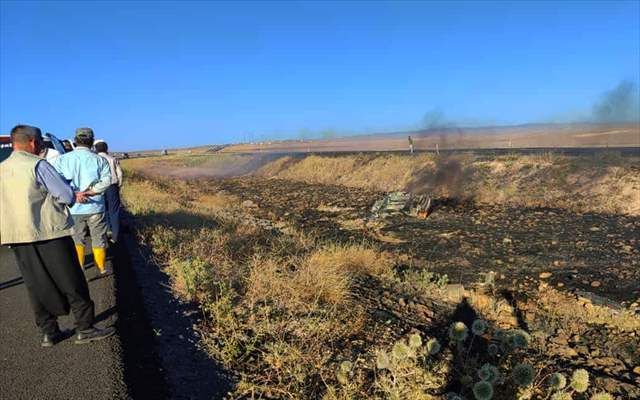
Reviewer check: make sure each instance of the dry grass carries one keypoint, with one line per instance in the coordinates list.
(386, 173)
(282, 301)
(573, 310)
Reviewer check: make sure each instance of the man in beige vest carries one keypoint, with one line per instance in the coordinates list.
(36, 224)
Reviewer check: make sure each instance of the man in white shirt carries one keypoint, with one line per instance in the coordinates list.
(112, 195)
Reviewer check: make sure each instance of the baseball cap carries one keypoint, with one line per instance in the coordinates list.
(84, 133)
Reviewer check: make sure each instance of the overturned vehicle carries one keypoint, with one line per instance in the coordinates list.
(397, 203)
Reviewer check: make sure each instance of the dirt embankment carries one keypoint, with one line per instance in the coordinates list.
(604, 182)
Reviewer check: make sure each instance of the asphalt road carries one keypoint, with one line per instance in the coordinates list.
(154, 354)
(66, 371)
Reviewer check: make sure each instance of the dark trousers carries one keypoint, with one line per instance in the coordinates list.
(112, 203)
(55, 283)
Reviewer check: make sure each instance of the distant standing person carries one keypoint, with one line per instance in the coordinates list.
(112, 194)
(87, 170)
(410, 144)
(36, 224)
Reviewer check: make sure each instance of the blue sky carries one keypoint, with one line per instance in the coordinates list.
(164, 74)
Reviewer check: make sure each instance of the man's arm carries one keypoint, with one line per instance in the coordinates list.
(53, 183)
(104, 180)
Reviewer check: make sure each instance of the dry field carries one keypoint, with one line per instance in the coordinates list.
(523, 283)
(523, 136)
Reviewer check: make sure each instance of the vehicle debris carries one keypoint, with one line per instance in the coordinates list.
(396, 203)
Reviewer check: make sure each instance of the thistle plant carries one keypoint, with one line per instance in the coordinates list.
(415, 341)
(580, 380)
(519, 339)
(523, 374)
(557, 381)
(400, 350)
(479, 327)
(458, 331)
(433, 346)
(561, 396)
(405, 370)
(489, 373)
(483, 390)
(512, 339)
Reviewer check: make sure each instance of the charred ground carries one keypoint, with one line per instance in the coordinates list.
(295, 279)
(582, 251)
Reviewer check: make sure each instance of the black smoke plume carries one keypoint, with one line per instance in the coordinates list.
(620, 104)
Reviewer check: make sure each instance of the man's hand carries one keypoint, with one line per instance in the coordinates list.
(83, 197)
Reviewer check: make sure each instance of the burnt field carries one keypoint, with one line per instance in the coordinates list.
(305, 293)
(533, 257)
(579, 251)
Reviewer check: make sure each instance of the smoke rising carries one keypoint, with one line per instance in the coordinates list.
(620, 104)
(435, 119)
(447, 178)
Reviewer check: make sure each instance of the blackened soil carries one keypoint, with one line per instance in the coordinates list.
(582, 251)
